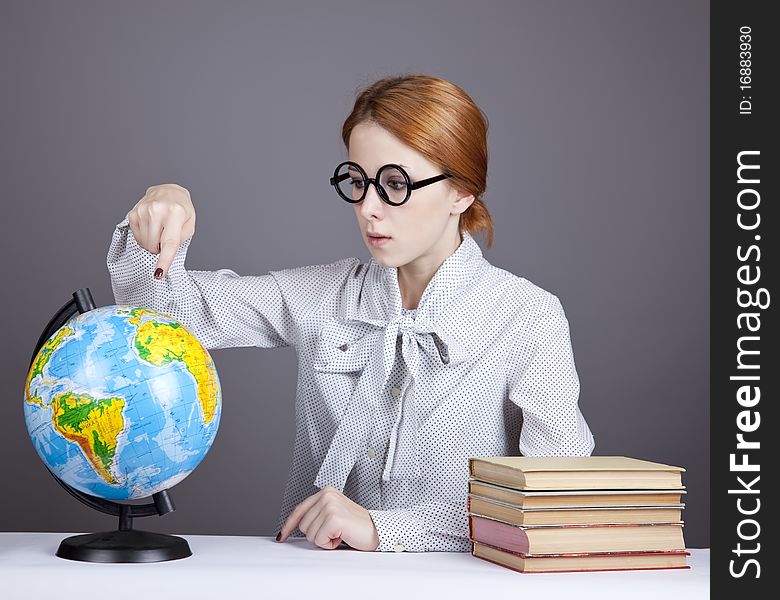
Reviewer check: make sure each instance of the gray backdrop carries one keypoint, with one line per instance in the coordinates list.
(598, 184)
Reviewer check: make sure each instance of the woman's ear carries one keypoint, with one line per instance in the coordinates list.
(461, 203)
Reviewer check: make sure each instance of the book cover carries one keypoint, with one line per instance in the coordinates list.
(581, 562)
(572, 516)
(556, 539)
(575, 498)
(574, 472)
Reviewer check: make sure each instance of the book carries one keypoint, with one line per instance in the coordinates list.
(574, 498)
(560, 563)
(574, 472)
(572, 516)
(565, 539)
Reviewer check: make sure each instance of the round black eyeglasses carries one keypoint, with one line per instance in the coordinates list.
(392, 183)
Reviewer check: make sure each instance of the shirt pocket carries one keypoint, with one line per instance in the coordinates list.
(343, 347)
(341, 353)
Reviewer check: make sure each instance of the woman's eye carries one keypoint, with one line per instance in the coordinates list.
(396, 185)
(358, 183)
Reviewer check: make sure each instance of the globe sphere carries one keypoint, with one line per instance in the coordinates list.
(122, 402)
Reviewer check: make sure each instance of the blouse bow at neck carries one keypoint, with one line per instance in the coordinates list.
(366, 341)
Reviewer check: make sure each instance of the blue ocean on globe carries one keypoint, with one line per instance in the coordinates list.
(122, 402)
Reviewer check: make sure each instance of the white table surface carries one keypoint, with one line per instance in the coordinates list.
(260, 567)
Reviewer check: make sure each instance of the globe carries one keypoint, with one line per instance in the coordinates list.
(122, 402)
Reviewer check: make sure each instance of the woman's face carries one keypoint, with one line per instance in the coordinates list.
(422, 229)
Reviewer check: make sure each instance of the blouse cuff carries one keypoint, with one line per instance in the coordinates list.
(399, 530)
(433, 527)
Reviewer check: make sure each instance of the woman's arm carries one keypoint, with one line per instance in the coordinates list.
(543, 382)
(221, 308)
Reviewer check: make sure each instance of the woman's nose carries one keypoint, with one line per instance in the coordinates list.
(372, 204)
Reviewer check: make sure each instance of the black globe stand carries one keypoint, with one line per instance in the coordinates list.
(124, 545)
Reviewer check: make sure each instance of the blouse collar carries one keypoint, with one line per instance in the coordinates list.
(448, 301)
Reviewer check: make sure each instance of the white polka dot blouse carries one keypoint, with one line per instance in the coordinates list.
(390, 402)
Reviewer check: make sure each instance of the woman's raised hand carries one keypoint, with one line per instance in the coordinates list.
(161, 221)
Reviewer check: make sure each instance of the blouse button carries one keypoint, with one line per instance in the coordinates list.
(396, 391)
(399, 547)
(343, 347)
(371, 453)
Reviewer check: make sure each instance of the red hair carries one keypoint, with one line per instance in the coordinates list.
(440, 121)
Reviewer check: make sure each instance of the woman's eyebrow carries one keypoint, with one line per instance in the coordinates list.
(399, 164)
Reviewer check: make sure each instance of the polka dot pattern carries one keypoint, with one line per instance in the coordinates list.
(491, 351)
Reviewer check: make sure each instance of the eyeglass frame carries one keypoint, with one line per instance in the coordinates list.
(410, 187)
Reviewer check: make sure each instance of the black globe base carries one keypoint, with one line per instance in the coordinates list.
(129, 546)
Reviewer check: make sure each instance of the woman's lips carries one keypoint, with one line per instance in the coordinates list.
(378, 241)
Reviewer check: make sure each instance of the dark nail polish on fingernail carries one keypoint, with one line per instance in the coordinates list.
(158, 273)
(278, 535)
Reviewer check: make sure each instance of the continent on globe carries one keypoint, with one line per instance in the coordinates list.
(93, 424)
(43, 356)
(160, 343)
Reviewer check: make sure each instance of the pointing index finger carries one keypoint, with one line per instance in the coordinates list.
(170, 240)
(296, 515)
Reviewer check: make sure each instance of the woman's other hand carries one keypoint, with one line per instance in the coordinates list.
(161, 221)
(328, 517)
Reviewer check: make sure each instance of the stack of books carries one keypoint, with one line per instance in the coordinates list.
(576, 513)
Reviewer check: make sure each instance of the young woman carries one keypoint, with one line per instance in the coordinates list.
(409, 363)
